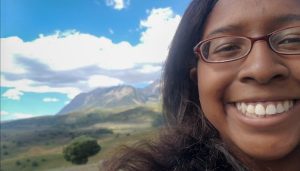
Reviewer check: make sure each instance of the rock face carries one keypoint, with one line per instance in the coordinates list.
(110, 97)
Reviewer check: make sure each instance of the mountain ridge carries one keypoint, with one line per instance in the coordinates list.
(112, 97)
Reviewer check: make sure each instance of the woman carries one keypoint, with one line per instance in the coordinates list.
(231, 91)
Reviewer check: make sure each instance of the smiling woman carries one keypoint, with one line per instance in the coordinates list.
(231, 94)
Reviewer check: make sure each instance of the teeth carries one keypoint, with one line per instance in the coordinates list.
(280, 108)
(271, 109)
(263, 109)
(260, 110)
(286, 105)
(250, 109)
(244, 107)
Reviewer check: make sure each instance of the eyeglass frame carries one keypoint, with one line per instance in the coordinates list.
(198, 52)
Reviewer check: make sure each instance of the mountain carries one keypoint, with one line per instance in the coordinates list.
(113, 97)
(153, 91)
(60, 129)
(113, 116)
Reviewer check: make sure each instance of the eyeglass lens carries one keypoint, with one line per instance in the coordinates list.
(229, 48)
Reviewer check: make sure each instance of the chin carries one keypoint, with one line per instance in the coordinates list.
(261, 138)
(271, 154)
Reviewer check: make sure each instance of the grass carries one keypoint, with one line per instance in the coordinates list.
(36, 144)
(45, 158)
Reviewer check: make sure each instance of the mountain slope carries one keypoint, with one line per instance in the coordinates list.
(62, 128)
(105, 98)
(112, 97)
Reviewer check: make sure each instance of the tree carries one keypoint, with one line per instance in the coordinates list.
(80, 149)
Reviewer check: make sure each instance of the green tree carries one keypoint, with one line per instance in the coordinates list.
(80, 149)
(34, 164)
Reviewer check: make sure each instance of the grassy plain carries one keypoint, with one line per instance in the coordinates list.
(36, 144)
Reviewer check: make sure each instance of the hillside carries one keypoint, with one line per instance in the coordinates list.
(114, 116)
(41, 130)
(113, 97)
(40, 139)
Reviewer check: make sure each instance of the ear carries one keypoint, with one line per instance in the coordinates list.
(193, 75)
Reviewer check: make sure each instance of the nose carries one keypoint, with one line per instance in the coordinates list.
(263, 65)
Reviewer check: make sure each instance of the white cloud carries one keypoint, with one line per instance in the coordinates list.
(71, 49)
(3, 113)
(22, 115)
(149, 69)
(50, 99)
(12, 116)
(103, 81)
(117, 4)
(13, 94)
(25, 85)
(62, 52)
(160, 28)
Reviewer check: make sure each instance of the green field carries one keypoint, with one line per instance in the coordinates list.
(36, 144)
(51, 158)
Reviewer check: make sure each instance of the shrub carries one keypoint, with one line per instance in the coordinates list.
(18, 163)
(80, 149)
(34, 164)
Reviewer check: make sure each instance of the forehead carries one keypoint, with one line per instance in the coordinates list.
(252, 16)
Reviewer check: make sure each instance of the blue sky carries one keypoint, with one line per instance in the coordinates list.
(52, 50)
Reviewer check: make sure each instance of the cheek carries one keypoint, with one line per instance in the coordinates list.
(212, 84)
(295, 69)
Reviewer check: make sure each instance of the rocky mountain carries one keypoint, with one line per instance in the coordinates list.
(153, 91)
(110, 97)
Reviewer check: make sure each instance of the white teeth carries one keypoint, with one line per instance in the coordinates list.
(238, 106)
(286, 105)
(280, 108)
(263, 109)
(244, 107)
(250, 109)
(259, 109)
(271, 109)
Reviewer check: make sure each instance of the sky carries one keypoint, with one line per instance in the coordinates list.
(52, 50)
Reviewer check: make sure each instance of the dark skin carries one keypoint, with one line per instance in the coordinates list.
(262, 77)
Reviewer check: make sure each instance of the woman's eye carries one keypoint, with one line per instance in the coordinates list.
(227, 48)
(290, 40)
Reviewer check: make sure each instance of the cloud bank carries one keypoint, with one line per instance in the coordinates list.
(70, 62)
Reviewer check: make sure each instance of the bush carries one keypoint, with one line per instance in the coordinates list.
(34, 164)
(80, 149)
(18, 163)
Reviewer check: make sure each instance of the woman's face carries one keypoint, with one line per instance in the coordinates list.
(261, 81)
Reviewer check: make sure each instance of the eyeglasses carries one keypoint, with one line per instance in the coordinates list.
(230, 48)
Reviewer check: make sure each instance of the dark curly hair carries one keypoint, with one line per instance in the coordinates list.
(189, 142)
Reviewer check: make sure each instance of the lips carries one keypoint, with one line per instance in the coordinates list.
(264, 109)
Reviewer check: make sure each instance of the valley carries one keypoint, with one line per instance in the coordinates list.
(114, 116)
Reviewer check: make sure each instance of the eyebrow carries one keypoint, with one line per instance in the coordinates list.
(225, 29)
(287, 18)
(279, 20)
